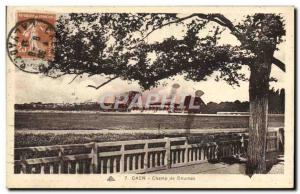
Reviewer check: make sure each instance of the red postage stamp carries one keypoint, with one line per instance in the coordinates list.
(35, 40)
(31, 41)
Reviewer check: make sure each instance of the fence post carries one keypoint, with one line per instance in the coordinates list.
(23, 163)
(146, 156)
(216, 151)
(61, 163)
(186, 151)
(122, 159)
(242, 145)
(168, 152)
(280, 138)
(94, 163)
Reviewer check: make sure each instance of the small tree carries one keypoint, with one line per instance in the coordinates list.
(115, 45)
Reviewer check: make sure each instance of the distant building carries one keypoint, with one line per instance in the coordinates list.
(121, 104)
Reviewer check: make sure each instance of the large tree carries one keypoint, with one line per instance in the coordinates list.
(116, 45)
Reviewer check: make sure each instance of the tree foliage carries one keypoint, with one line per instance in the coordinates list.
(115, 45)
(96, 44)
(275, 104)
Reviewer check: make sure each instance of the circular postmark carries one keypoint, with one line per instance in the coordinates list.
(30, 45)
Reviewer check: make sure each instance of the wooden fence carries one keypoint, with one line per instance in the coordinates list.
(137, 156)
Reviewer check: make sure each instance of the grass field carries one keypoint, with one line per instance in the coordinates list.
(41, 129)
(100, 121)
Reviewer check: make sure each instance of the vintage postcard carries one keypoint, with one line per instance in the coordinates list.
(150, 97)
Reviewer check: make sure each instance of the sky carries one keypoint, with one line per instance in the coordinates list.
(38, 88)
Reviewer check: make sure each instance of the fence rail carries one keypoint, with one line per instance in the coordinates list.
(138, 156)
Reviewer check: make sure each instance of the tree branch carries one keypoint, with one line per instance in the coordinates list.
(97, 87)
(226, 22)
(169, 23)
(279, 64)
(218, 18)
(74, 78)
(223, 21)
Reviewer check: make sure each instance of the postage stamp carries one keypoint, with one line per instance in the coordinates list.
(150, 97)
(30, 42)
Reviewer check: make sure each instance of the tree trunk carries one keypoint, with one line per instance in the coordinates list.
(258, 121)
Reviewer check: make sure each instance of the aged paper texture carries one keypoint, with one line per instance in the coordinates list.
(150, 97)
